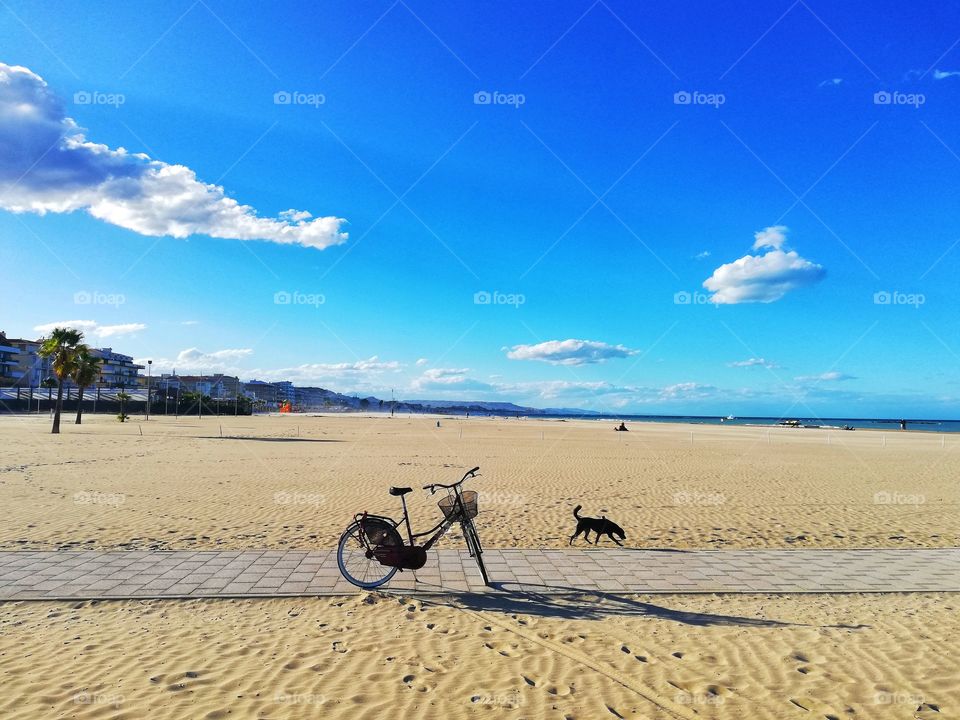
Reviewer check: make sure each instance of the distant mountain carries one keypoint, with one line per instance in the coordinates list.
(315, 398)
(475, 405)
(569, 411)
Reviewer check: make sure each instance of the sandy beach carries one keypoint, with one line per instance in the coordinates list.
(295, 482)
(843, 656)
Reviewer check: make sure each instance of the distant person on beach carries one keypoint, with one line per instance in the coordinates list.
(903, 424)
(621, 428)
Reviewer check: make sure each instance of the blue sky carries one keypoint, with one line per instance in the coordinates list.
(800, 159)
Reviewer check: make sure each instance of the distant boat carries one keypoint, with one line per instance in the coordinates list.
(730, 417)
(789, 423)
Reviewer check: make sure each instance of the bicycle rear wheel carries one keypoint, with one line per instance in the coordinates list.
(357, 565)
(476, 551)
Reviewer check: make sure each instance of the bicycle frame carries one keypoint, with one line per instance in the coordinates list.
(437, 530)
(383, 542)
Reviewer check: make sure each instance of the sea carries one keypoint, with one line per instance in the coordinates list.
(937, 426)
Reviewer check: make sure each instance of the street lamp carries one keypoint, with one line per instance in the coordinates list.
(149, 368)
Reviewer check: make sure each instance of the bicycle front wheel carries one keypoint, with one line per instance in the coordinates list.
(476, 551)
(358, 566)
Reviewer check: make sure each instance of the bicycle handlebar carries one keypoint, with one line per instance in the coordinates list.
(432, 487)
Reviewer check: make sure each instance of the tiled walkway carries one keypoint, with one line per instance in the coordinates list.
(276, 573)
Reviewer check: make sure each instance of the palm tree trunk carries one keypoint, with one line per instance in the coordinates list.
(79, 405)
(56, 413)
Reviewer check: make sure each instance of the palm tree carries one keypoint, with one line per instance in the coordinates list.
(122, 397)
(61, 348)
(85, 373)
(49, 383)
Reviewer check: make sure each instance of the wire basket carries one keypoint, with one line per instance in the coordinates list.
(449, 504)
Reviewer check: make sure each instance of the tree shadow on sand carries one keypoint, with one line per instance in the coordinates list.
(267, 439)
(574, 604)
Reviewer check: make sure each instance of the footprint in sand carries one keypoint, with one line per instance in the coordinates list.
(410, 682)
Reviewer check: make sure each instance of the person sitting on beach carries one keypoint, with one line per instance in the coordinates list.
(622, 428)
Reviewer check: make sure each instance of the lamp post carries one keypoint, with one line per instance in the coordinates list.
(166, 396)
(149, 368)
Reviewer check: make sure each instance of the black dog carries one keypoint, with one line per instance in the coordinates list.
(601, 526)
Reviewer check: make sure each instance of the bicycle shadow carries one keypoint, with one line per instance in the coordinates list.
(578, 604)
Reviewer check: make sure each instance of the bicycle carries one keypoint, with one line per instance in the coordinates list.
(371, 550)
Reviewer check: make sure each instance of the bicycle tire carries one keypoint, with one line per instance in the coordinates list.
(352, 560)
(475, 549)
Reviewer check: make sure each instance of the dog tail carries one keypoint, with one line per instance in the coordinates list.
(576, 511)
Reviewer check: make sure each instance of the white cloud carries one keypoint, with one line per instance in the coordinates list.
(421, 362)
(569, 352)
(106, 331)
(450, 381)
(190, 322)
(703, 255)
(92, 328)
(831, 376)
(687, 391)
(762, 278)
(831, 82)
(48, 165)
(361, 375)
(194, 360)
(770, 237)
(754, 362)
(944, 74)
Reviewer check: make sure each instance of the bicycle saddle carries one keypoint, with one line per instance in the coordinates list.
(398, 491)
